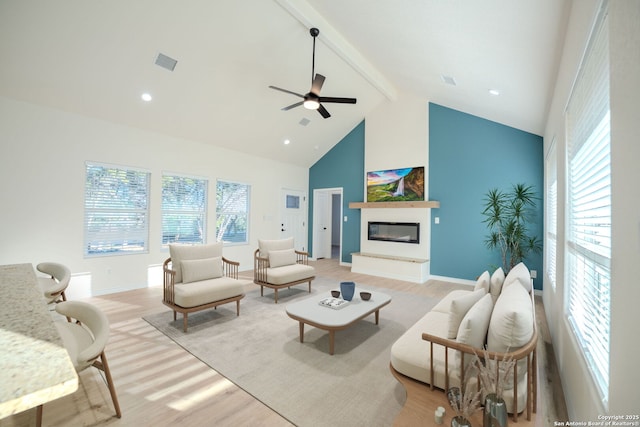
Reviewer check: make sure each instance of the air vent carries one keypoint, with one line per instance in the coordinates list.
(304, 121)
(166, 62)
(449, 80)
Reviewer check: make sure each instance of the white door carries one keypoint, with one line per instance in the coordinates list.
(321, 224)
(293, 217)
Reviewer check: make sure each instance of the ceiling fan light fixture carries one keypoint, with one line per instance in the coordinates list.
(311, 104)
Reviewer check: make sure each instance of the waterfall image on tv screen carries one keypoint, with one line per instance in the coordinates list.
(395, 185)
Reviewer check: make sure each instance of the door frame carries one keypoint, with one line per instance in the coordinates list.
(329, 192)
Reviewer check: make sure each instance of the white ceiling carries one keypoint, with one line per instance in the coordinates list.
(96, 58)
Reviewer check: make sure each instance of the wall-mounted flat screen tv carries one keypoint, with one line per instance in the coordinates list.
(396, 185)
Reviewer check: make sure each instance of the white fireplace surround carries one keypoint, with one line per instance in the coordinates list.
(394, 260)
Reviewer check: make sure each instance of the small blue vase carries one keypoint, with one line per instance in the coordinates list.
(347, 289)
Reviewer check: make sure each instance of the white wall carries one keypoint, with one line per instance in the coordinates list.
(42, 172)
(397, 136)
(583, 401)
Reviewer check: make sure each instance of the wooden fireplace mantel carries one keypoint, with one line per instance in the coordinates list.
(417, 204)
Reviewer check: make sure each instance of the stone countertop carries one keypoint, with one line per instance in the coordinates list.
(35, 368)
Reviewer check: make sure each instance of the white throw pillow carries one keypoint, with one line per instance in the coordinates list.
(497, 279)
(458, 309)
(511, 324)
(180, 252)
(519, 273)
(282, 258)
(483, 282)
(195, 270)
(474, 326)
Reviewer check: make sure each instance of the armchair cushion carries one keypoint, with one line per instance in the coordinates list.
(194, 270)
(265, 246)
(282, 257)
(180, 252)
(206, 291)
(289, 273)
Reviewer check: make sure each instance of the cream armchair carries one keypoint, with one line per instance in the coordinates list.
(278, 265)
(198, 277)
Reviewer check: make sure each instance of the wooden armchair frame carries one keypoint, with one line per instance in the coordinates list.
(261, 264)
(229, 269)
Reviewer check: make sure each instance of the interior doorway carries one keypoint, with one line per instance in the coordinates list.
(327, 223)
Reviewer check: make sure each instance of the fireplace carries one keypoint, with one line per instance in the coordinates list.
(404, 232)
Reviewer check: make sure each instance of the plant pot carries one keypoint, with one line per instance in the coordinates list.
(495, 411)
(347, 289)
(460, 421)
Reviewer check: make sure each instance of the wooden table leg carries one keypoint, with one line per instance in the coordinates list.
(332, 336)
(301, 331)
(377, 316)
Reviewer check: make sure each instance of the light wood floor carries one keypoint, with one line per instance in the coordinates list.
(159, 383)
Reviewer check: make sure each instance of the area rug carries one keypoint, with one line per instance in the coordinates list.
(260, 352)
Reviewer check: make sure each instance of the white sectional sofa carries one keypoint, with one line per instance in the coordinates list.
(498, 314)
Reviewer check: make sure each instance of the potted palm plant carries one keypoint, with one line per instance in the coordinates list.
(508, 216)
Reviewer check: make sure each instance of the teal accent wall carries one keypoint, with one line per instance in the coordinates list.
(468, 156)
(342, 166)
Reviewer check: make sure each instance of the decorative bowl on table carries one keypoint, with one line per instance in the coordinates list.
(366, 296)
(335, 294)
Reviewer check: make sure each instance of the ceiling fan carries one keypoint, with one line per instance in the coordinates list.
(312, 100)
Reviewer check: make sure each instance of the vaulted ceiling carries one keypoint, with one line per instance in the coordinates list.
(97, 58)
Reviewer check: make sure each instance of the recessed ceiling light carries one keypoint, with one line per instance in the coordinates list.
(146, 97)
(287, 142)
(494, 92)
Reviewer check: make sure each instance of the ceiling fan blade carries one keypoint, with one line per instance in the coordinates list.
(323, 112)
(317, 83)
(286, 91)
(297, 104)
(338, 100)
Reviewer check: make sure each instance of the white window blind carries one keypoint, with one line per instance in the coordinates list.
(589, 208)
(551, 212)
(232, 212)
(184, 209)
(116, 210)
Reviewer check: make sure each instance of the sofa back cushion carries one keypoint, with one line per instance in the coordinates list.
(519, 273)
(459, 307)
(180, 252)
(194, 270)
(497, 279)
(282, 257)
(265, 246)
(511, 325)
(483, 282)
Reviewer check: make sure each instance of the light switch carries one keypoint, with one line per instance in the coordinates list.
(437, 220)
(345, 218)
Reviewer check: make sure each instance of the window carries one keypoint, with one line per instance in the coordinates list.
(589, 208)
(551, 204)
(232, 212)
(184, 209)
(116, 210)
